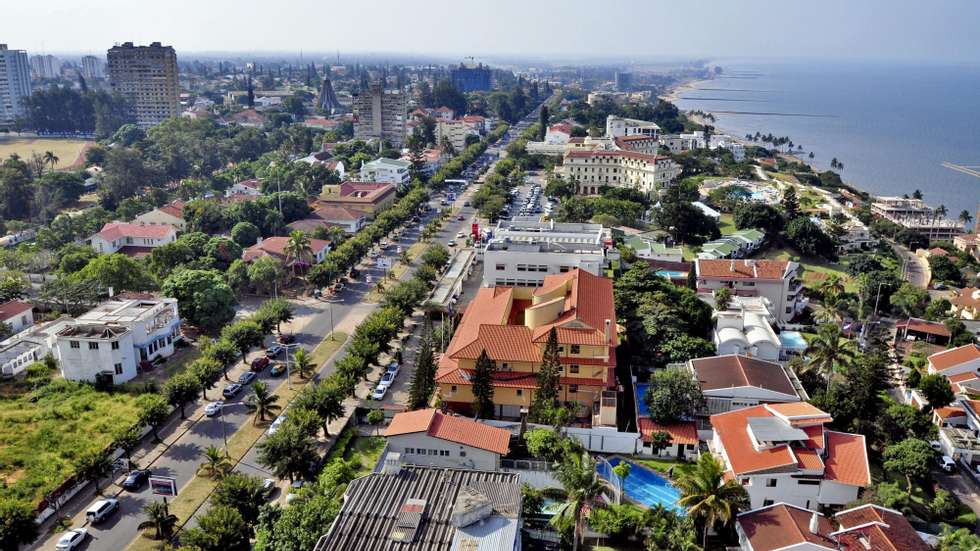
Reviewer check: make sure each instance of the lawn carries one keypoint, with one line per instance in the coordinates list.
(817, 265)
(40, 441)
(367, 450)
(663, 465)
(727, 224)
(67, 150)
(327, 347)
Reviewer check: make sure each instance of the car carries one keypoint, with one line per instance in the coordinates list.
(71, 539)
(135, 479)
(393, 367)
(274, 351)
(287, 338)
(374, 254)
(338, 287)
(268, 486)
(460, 235)
(387, 379)
(276, 424)
(247, 377)
(451, 244)
(278, 369)
(379, 392)
(946, 463)
(460, 218)
(258, 364)
(101, 509)
(231, 390)
(466, 203)
(214, 408)
(399, 250)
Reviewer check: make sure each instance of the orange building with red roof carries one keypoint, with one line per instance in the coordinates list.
(784, 453)
(512, 325)
(431, 437)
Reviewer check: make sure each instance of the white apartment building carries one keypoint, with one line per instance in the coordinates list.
(432, 438)
(783, 453)
(618, 127)
(381, 114)
(45, 66)
(594, 169)
(113, 339)
(914, 214)
(147, 77)
(776, 280)
(132, 239)
(521, 253)
(93, 67)
(456, 131)
(387, 171)
(15, 83)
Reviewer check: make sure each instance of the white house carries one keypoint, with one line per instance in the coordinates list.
(955, 361)
(19, 315)
(783, 453)
(171, 214)
(388, 171)
(521, 253)
(132, 239)
(744, 328)
(432, 438)
(114, 338)
(276, 247)
(733, 382)
(558, 134)
(14, 358)
(245, 187)
(649, 249)
(617, 127)
(776, 280)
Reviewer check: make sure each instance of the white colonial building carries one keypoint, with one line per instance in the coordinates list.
(521, 253)
(388, 171)
(132, 239)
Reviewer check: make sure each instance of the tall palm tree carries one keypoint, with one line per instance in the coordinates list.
(583, 489)
(708, 497)
(965, 217)
(304, 364)
(51, 159)
(216, 464)
(830, 350)
(941, 211)
(298, 249)
(264, 402)
(159, 518)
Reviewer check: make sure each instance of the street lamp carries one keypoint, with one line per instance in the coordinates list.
(224, 429)
(289, 383)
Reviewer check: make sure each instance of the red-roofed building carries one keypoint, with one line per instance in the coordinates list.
(350, 220)
(916, 329)
(245, 187)
(276, 247)
(955, 361)
(19, 315)
(776, 280)
(783, 453)
(367, 197)
(430, 437)
(171, 213)
(512, 325)
(785, 527)
(132, 239)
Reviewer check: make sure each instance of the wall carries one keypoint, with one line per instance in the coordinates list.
(509, 275)
(474, 458)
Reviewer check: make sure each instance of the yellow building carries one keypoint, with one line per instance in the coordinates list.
(512, 325)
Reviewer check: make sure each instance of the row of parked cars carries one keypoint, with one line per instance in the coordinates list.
(391, 372)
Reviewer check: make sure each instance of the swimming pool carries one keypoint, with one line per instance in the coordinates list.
(646, 487)
(672, 274)
(793, 340)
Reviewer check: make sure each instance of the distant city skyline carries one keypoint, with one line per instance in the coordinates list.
(631, 30)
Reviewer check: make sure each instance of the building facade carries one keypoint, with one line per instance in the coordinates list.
(45, 66)
(15, 84)
(776, 280)
(471, 79)
(524, 253)
(386, 171)
(593, 169)
(435, 439)
(132, 239)
(93, 67)
(381, 114)
(147, 77)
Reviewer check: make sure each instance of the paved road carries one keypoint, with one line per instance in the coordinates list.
(916, 268)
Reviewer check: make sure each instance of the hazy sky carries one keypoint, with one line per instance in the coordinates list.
(934, 30)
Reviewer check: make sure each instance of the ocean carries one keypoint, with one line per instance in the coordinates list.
(891, 125)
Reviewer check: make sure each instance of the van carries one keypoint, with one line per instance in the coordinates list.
(101, 510)
(947, 464)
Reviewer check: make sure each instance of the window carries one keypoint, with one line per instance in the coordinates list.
(410, 451)
(115, 345)
(573, 368)
(462, 453)
(505, 366)
(520, 392)
(452, 388)
(573, 388)
(433, 452)
(563, 269)
(746, 481)
(770, 483)
(93, 346)
(808, 482)
(767, 502)
(443, 453)
(522, 267)
(561, 349)
(74, 344)
(576, 349)
(118, 369)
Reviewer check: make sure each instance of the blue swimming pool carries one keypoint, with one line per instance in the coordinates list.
(672, 274)
(792, 340)
(646, 487)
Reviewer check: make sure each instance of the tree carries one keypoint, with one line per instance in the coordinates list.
(708, 497)
(242, 493)
(244, 335)
(965, 217)
(204, 299)
(265, 402)
(902, 421)
(809, 239)
(326, 399)
(93, 467)
(220, 528)
(181, 389)
(154, 411)
(749, 215)
(943, 269)
(424, 378)
(910, 300)
(909, 458)
(17, 524)
(216, 464)
(483, 386)
(222, 351)
(158, 518)
(205, 371)
(278, 311)
(673, 395)
(830, 350)
(543, 120)
(245, 234)
(286, 452)
(546, 395)
(957, 539)
(117, 271)
(790, 203)
(304, 365)
(375, 417)
(936, 390)
(723, 299)
(265, 273)
(584, 489)
(298, 250)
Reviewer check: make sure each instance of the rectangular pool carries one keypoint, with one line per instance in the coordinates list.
(793, 340)
(646, 487)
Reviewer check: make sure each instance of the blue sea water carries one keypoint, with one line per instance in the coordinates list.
(892, 125)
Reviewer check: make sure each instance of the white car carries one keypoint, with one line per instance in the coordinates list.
(460, 235)
(379, 392)
(387, 379)
(947, 464)
(101, 509)
(214, 408)
(71, 539)
(276, 424)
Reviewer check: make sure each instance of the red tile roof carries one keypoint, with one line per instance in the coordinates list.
(884, 529)
(924, 326)
(562, 127)
(175, 209)
(502, 343)
(684, 432)
(954, 357)
(782, 526)
(847, 459)
(510, 379)
(451, 428)
(742, 269)
(947, 412)
(731, 429)
(118, 230)
(614, 154)
(14, 308)
(731, 371)
(809, 460)
(251, 183)
(276, 246)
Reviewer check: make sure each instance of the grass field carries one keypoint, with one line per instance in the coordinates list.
(40, 441)
(67, 150)
(817, 265)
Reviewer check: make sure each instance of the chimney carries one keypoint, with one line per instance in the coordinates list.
(608, 324)
(815, 523)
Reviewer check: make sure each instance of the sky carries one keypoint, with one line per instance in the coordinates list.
(936, 31)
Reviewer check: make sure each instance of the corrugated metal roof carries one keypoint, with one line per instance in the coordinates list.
(372, 505)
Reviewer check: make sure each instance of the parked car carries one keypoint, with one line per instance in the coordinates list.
(387, 379)
(274, 351)
(276, 424)
(460, 235)
(214, 408)
(135, 479)
(278, 369)
(231, 390)
(287, 338)
(258, 364)
(460, 218)
(71, 539)
(268, 486)
(379, 392)
(101, 509)
(393, 367)
(247, 377)
(946, 463)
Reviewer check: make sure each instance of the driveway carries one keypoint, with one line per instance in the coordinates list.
(962, 486)
(916, 268)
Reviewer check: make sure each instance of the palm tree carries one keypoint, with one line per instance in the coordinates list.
(830, 350)
(965, 217)
(51, 159)
(264, 402)
(941, 211)
(298, 249)
(304, 364)
(216, 464)
(159, 518)
(708, 497)
(583, 488)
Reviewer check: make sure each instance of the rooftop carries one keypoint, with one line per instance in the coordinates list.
(14, 308)
(276, 246)
(451, 428)
(118, 230)
(732, 371)
(744, 269)
(953, 357)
